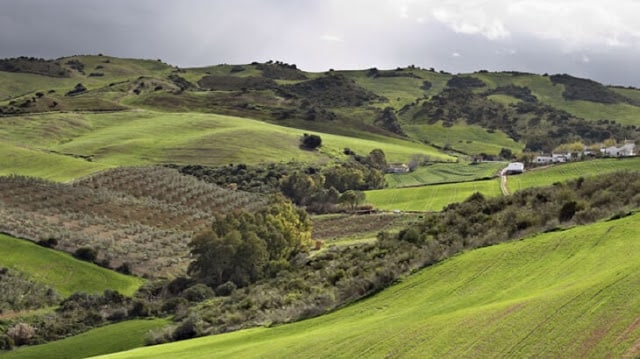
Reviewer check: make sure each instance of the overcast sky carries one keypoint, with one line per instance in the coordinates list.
(586, 38)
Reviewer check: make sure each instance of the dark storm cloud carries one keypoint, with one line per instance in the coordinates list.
(585, 38)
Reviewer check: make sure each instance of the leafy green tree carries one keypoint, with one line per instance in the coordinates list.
(352, 198)
(239, 246)
(300, 187)
(377, 159)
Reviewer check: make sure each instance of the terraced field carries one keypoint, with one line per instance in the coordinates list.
(444, 173)
(501, 301)
(562, 172)
(60, 270)
(430, 198)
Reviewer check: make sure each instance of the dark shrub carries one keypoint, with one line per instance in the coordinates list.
(51, 242)
(173, 304)
(86, 254)
(124, 268)
(311, 141)
(198, 293)
(6, 343)
(225, 289)
(567, 211)
(140, 309)
(190, 328)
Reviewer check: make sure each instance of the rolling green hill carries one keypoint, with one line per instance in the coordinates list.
(80, 119)
(143, 138)
(60, 270)
(38, 163)
(108, 339)
(464, 138)
(563, 294)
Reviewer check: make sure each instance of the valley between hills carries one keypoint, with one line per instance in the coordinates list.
(259, 210)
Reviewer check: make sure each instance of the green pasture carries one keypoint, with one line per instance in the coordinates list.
(632, 93)
(430, 198)
(561, 172)
(622, 113)
(37, 163)
(504, 99)
(108, 339)
(563, 294)
(142, 137)
(60, 270)
(444, 173)
(470, 139)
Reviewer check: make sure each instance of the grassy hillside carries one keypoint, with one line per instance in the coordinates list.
(141, 137)
(443, 173)
(464, 138)
(558, 173)
(400, 87)
(502, 301)
(549, 93)
(430, 198)
(108, 339)
(47, 165)
(60, 270)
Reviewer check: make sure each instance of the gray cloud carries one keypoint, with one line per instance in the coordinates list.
(585, 38)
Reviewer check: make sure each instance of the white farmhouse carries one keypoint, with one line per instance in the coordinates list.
(626, 150)
(513, 168)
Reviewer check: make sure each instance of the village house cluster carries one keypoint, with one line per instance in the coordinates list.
(626, 150)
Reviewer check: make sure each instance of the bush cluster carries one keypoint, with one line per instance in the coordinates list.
(540, 126)
(588, 90)
(17, 292)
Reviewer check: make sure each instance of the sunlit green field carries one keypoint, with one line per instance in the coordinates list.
(430, 198)
(143, 138)
(469, 139)
(562, 172)
(444, 173)
(36, 163)
(108, 339)
(60, 270)
(563, 294)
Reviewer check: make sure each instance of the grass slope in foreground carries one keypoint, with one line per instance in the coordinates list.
(108, 339)
(430, 198)
(561, 294)
(60, 270)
